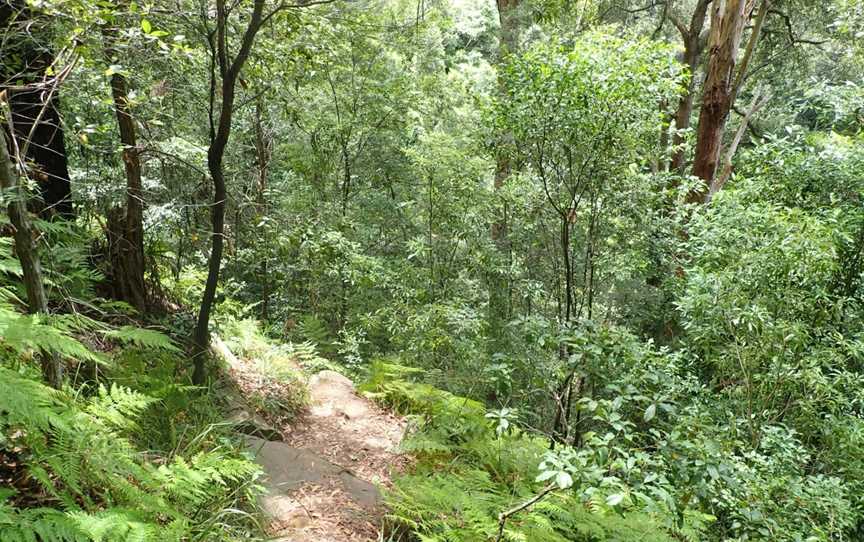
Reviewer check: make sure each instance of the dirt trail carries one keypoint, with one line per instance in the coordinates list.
(322, 481)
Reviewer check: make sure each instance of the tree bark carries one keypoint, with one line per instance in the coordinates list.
(28, 254)
(694, 44)
(727, 26)
(719, 181)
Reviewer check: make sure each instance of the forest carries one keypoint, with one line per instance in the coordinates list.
(431, 270)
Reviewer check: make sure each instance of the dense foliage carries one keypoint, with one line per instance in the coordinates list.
(607, 256)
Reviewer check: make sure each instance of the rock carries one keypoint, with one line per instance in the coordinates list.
(331, 378)
(221, 351)
(239, 413)
(361, 491)
(244, 418)
(287, 468)
(310, 495)
(332, 393)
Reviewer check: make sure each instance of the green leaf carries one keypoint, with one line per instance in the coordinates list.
(146, 26)
(650, 412)
(146, 338)
(545, 475)
(713, 472)
(614, 499)
(563, 480)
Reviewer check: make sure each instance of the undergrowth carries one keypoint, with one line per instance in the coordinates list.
(70, 461)
(468, 471)
(130, 455)
(270, 376)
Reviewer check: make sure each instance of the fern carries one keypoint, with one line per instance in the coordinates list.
(244, 337)
(25, 333)
(8, 264)
(306, 355)
(38, 524)
(313, 330)
(464, 505)
(144, 338)
(125, 524)
(95, 485)
(77, 458)
(205, 476)
(118, 407)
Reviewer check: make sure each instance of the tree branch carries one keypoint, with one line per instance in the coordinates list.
(790, 32)
(758, 103)
(748, 53)
(503, 516)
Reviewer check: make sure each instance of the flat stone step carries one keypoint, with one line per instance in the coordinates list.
(287, 469)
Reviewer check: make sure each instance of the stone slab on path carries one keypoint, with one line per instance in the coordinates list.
(287, 469)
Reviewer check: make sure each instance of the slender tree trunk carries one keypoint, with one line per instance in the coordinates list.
(685, 106)
(561, 423)
(220, 133)
(263, 150)
(590, 258)
(346, 178)
(342, 316)
(183, 230)
(201, 337)
(28, 254)
(507, 45)
(662, 162)
(755, 33)
(725, 173)
(499, 286)
(568, 268)
(126, 226)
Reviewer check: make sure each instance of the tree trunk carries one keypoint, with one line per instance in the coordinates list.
(499, 286)
(507, 45)
(201, 338)
(263, 150)
(342, 316)
(568, 266)
(47, 149)
(220, 133)
(694, 44)
(727, 25)
(719, 181)
(28, 254)
(126, 226)
(692, 52)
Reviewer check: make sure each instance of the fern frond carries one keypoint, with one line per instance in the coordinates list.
(28, 332)
(141, 337)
